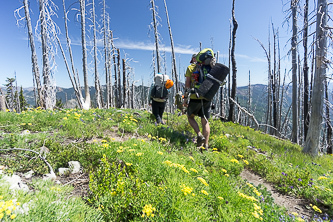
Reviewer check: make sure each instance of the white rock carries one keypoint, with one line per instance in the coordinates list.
(50, 176)
(15, 183)
(25, 132)
(63, 171)
(75, 166)
(29, 174)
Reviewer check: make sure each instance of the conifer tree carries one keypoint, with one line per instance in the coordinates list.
(23, 102)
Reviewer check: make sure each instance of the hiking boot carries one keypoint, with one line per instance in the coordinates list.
(202, 149)
(200, 140)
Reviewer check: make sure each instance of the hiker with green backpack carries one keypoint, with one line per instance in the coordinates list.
(158, 95)
(203, 78)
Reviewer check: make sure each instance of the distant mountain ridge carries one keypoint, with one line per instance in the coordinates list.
(258, 97)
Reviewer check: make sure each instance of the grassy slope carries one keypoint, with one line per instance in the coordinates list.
(162, 173)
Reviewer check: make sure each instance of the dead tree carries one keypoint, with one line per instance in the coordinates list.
(294, 136)
(34, 59)
(45, 53)
(86, 104)
(234, 68)
(124, 85)
(249, 99)
(305, 71)
(312, 140)
(119, 80)
(172, 49)
(106, 58)
(328, 122)
(97, 84)
(115, 69)
(71, 72)
(110, 95)
(156, 36)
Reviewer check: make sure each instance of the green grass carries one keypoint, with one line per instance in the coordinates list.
(161, 176)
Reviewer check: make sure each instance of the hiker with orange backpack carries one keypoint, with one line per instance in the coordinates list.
(158, 95)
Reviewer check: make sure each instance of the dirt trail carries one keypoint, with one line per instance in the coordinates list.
(292, 204)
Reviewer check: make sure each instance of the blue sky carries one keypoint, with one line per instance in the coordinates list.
(192, 22)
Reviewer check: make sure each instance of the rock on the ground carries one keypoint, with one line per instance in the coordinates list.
(15, 182)
(75, 166)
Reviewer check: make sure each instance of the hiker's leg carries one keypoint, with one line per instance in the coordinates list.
(155, 110)
(161, 111)
(193, 123)
(205, 130)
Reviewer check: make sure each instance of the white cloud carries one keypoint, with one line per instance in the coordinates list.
(251, 59)
(151, 46)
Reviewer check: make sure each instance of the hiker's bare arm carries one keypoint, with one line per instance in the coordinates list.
(187, 86)
(188, 82)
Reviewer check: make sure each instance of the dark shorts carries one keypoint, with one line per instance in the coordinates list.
(199, 107)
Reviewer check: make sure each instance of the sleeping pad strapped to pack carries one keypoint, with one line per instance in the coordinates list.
(214, 79)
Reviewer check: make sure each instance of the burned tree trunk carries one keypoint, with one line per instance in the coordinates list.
(294, 72)
(156, 36)
(86, 104)
(172, 49)
(124, 84)
(34, 60)
(234, 68)
(312, 140)
(306, 71)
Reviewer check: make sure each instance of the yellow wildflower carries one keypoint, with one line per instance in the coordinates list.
(148, 210)
(193, 170)
(221, 198)
(246, 162)
(191, 158)
(294, 213)
(227, 175)
(255, 214)
(168, 162)
(204, 192)
(139, 154)
(159, 152)
(186, 190)
(12, 216)
(322, 178)
(316, 209)
(234, 161)
(224, 170)
(240, 156)
(202, 180)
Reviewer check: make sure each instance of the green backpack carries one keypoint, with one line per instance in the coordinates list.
(205, 56)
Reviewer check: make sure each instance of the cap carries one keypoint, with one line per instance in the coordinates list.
(193, 57)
